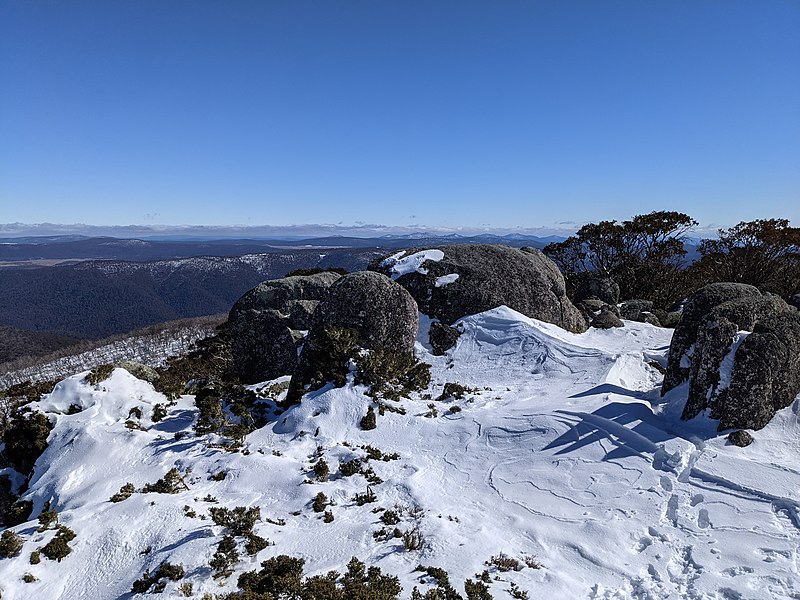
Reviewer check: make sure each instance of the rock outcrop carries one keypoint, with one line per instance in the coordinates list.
(604, 289)
(685, 336)
(606, 319)
(742, 377)
(451, 282)
(364, 309)
(766, 374)
(267, 324)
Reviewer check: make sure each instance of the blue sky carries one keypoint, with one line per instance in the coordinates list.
(450, 114)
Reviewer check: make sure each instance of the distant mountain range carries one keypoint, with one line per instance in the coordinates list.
(24, 251)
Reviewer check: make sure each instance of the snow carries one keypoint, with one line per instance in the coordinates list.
(402, 265)
(445, 279)
(565, 451)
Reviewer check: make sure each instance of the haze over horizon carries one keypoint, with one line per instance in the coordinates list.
(414, 116)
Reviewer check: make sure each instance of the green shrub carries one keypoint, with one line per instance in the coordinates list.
(47, 519)
(320, 502)
(239, 521)
(365, 498)
(10, 544)
(58, 547)
(225, 558)
(369, 421)
(477, 590)
(351, 467)
(125, 492)
(159, 413)
(171, 483)
(391, 375)
(26, 440)
(36, 557)
(321, 470)
(99, 374)
(254, 544)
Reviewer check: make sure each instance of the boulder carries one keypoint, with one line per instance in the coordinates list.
(794, 300)
(442, 337)
(740, 438)
(364, 309)
(606, 320)
(267, 324)
(600, 288)
(765, 376)
(716, 338)
(633, 309)
(694, 311)
(451, 282)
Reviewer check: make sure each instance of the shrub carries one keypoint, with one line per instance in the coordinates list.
(504, 563)
(10, 544)
(36, 557)
(391, 375)
(99, 374)
(320, 502)
(351, 467)
(327, 517)
(125, 492)
(159, 413)
(225, 558)
(413, 539)
(211, 416)
(390, 517)
(26, 439)
(171, 483)
(321, 470)
(19, 513)
(135, 412)
(369, 421)
(254, 543)
(365, 498)
(477, 590)
(47, 518)
(239, 521)
(58, 547)
(29, 578)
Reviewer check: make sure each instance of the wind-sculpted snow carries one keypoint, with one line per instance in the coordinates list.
(563, 449)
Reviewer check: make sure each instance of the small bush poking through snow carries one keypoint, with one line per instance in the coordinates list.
(159, 413)
(26, 439)
(47, 518)
(10, 544)
(58, 547)
(239, 521)
(171, 483)
(321, 470)
(125, 492)
(504, 563)
(165, 571)
(225, 558)
(99, 374)
(320, 503)
(369, 421)
(282, 577)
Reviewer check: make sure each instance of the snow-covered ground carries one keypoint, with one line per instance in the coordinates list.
(566, 452)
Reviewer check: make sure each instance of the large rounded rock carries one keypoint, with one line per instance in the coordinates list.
(765, 376)
(364, 309)
(716, 338)
(451, 282)
(381, 311)
(685, 336)
(606, 320)
(268, 322)
(600, 288)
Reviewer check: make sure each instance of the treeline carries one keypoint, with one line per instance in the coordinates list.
(150, 345)
(647, 256)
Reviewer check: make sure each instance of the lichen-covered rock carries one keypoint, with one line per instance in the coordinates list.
(600, 288)
(364, 309)
(451, 282)
(442, 337)
(606, 320)
(268, 322)
(717, 337)
(694, 311)
(633, 309)
(765, 376)
(740, 438)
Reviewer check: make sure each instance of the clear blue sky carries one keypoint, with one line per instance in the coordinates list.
(460, 113)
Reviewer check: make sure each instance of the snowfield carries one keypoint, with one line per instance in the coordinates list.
(564, 451)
